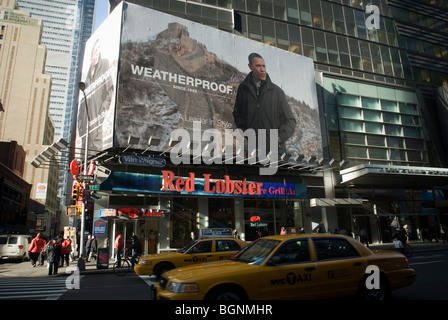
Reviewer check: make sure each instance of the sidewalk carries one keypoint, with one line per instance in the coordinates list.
(24, 269)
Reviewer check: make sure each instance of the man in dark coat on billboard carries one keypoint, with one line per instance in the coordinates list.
(260, 104)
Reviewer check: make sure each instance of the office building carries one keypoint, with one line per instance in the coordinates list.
(25, 95)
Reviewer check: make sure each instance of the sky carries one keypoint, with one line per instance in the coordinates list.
(101, 12)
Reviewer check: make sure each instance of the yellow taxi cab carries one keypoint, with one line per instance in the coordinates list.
(202, 250)
(300, 266)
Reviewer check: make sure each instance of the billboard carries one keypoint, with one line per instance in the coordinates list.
(99, 73)
(176, 74)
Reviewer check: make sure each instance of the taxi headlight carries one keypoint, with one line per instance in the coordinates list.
(176, 287)
(145, 262)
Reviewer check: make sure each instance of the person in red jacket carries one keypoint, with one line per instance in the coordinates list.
(65, 251)
(36, 246)
(119, 245)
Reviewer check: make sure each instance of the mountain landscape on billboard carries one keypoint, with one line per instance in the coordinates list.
(173, 80)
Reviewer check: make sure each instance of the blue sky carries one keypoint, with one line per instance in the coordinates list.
(101, 12)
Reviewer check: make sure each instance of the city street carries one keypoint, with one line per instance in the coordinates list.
(20, 281)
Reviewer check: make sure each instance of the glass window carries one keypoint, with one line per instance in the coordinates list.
(410, 120)
(351, 125)
(350, 22)
(387, 105)
(227, 245)
(394, 142)
(377, 153)
(408, 108)
(279, 12)
(253, 6)
(393, 118)
(397, 155)
(254, 28)
(266, 8)
(202, 247)
(328, 248)
(371, 115)
(348, 100)
(327, 14)
(321, 50)
(414, 144)
(333, 54)
(376, 141)
(353, 113)
(354, 138)
(393, 130)
(295, 251)
(372, 127)
(412, 132)
(305, 12)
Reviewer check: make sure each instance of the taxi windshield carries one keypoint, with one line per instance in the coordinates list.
(257, 251)
(185, 249)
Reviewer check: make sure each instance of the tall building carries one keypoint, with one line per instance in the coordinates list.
(378, 68)
(25, 95)
(67, 25)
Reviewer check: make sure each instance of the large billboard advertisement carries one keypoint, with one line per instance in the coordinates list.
(182, 80)
(99, 74)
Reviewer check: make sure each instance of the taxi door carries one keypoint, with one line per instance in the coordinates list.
(201, 252)
(289, 273)
(339, 267)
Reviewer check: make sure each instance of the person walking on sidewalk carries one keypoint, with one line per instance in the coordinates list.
(443, 233)
(66, 248)
(53, 250)
(93, 249)
(88, 247)
(118, 246)
(36, 246)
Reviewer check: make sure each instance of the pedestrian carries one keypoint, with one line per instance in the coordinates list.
(36, 246)
(137, 247)
(118, 246)
(93, 248)
(443, 233)
(363, 237)
(66, 248)
(53, 250)
(88, 247)
(260, 104)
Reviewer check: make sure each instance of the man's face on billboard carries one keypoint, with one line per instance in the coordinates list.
(258, 68)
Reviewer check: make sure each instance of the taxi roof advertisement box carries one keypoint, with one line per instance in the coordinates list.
(179, 74)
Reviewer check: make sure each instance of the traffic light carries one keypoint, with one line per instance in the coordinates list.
(75, 192)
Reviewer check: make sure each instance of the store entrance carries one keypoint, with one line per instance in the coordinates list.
(147, 232)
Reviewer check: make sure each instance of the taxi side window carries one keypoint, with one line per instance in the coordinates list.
(202, 247)
(334, 249)
(227, 245)
(294, 252)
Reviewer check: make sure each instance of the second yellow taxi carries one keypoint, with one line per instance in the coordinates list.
(198, 251)
(305, 266)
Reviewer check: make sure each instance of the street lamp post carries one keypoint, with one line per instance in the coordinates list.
(82, 87)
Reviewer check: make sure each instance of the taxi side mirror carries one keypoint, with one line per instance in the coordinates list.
(275, 260)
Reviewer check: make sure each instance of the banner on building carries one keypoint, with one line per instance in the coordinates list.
(175, 73)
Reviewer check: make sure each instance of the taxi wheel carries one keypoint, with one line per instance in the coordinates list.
(383, 293)
(160, 268)
(226, 293)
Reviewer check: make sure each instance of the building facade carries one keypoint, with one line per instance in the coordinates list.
(67, 25)
(25, 94)
(378, 67)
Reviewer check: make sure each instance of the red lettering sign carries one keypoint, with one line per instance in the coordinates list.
(226, 186)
